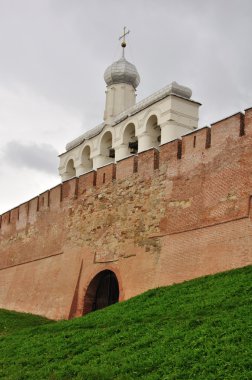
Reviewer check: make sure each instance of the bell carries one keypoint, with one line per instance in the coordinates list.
(112, 153)
(133, 146)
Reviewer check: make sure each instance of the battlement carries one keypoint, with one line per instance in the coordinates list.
(197, 144)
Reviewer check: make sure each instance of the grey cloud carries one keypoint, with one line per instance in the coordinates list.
(61, 49)
(41, 157)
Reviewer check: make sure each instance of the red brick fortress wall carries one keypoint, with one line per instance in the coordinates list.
(153, 219)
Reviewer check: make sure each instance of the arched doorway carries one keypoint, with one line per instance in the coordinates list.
(102, 291)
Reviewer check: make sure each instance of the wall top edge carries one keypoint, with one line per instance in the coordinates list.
(228, 117)
(196, 130)
(125, 158)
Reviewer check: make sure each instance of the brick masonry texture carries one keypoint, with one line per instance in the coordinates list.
(154, 219)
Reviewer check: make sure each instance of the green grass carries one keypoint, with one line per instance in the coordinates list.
(195, 330)
(11, 322)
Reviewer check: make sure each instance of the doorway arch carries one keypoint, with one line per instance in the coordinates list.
(102, 291)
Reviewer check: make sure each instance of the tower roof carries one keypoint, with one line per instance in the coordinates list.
(122, 71)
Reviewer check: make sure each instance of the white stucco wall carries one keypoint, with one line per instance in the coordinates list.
(119, 97)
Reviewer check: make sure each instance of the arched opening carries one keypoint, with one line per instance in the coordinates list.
(70, 170)
(130, 139)
(154, 130)
(106, 150)
(86, 161)
(102, 291)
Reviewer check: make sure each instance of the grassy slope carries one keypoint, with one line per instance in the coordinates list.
(11, 322)
(195, 330)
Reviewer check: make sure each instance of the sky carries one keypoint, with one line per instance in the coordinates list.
(53, 54)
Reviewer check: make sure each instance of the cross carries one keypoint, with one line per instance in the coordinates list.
(123, 44)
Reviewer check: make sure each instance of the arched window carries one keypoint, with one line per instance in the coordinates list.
(106, 149)
(70, 169)
(154, 130)
(86, 161)
(130, 139)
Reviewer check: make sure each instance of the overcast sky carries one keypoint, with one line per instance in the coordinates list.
(53, 54)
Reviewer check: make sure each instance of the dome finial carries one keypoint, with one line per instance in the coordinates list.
(123, 44)
(122, 71)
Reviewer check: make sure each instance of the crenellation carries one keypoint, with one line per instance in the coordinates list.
(33, 209)
(126, 167)
(6, 217)
(5, 223)
(170, 152)
(23, 215)
(195, 142)
(14, 215)
(55, 197)
(70, 189)
(226, 129)
(105, 174)
(148, 161)
(86, 181)
(44, 200)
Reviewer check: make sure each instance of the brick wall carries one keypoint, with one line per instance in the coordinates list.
(153, 219)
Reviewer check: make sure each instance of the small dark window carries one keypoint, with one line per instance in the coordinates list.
(104, 177)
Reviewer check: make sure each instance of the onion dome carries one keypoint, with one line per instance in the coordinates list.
(122, 71)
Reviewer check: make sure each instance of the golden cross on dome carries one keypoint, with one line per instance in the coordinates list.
(123, 44)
